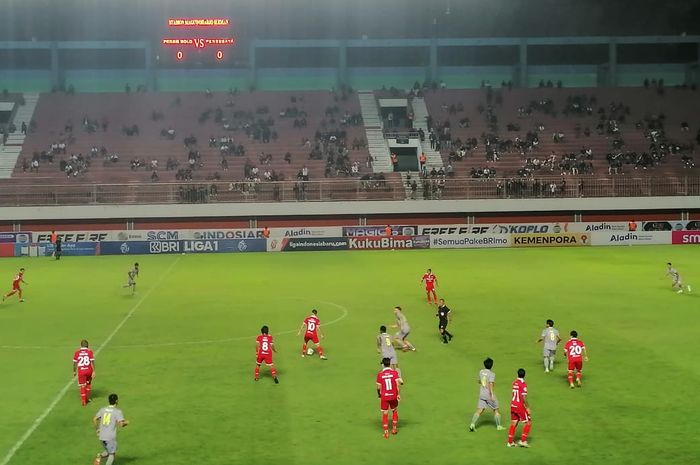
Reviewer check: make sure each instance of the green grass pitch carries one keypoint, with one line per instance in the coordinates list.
(183, 362)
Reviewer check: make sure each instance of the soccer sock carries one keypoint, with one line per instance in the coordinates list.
(303, 349)
(257, 372)
(428, 297)
(83, 395)
(385, 421)
(475, 418)
(526, 431)
(546, 363)
(87, 392)
(110, 459)
(570, 377)
(273, 372)
(497, 417)
(578, 376)
(395, 419)
(551, 363)
(511, 433)
(444, 337)
(448, 334)
(320, 351)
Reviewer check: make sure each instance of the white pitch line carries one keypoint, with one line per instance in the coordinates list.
(40, 419)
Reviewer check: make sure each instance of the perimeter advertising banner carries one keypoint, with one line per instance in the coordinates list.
(524, 228)
(368, 231)
(686, 237)
(388, 242)
(301, 244)
(469, 241)
(186, 246)
(184, 234)
(551, 240)
(631, 238)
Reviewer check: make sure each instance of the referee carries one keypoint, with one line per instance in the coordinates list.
(444, 316)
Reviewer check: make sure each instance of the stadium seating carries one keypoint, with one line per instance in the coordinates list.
(182, 113)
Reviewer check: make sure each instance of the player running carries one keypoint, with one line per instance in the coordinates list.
(106, 421)
(487, 396)
(84, 369)
(313, 330)
(551, 338)
(388, 382)
(576, 354)
(677, 280)
(132, 274)
(519, 411)
(16, 286)
(430, 281)
(264, 347)
(444, 317)
(404, 329)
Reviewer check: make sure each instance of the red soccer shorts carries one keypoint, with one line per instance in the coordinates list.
(311, 337)
(519, 414)
(84, 377)
(429, 288)
(387, 404)
(15, 286)
(267, 359)
(575, 365)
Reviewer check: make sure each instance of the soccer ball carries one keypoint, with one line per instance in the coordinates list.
(309, 351)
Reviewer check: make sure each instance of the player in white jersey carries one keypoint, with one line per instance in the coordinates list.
(132, 274)
(677, 280)
(487, 397)
(404, 329)
(551, 338)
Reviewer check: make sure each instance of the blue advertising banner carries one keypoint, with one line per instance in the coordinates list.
(179, 246)
(67, 249)
(21, 237)
(300, 244)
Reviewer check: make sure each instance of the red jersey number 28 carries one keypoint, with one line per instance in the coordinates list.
(83, 361)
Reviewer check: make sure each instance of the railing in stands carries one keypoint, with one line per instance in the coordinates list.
(352, 189)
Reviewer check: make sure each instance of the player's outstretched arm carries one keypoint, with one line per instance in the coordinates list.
(274, 349)
(303, 325)
(539, 340)
(585, 354)
(75, 368)
(123, 423)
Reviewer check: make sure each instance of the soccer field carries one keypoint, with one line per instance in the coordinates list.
(180, 354)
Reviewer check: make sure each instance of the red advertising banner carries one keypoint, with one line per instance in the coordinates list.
(686, 237)
(388, 242)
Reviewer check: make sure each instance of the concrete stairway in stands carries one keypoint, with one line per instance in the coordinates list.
(8, 159)
(24, 114)
(378, 148)
(9, 153)
(420, 116)
(407, 186)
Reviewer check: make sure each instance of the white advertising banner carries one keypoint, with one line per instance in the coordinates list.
(469, 241)
(630, 238)
(186, 234)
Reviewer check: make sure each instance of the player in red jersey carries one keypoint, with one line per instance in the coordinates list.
(84, 369)
(519, 411)
(430, 281)
(16, 288)
(263, 352)
(388, 382)
(576, 353)
(313, 330)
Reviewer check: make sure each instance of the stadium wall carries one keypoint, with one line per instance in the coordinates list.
(459, 208)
